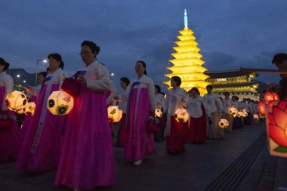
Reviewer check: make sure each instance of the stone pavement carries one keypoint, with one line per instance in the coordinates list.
(211, 166)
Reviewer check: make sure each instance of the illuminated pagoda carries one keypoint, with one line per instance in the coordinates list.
(235, 82)
(187, 62)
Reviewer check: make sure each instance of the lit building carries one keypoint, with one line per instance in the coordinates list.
(235, 82)
(187, 62)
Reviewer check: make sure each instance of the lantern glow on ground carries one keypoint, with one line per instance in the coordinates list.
(187, 62)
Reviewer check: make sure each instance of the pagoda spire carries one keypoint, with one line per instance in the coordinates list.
(187, 62)
(185, 19)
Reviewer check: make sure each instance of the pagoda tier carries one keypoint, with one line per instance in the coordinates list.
(187, 62)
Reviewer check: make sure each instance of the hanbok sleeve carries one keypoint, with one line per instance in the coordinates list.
(219, 102)
(102, 83)
(206, 107)
(185, 98)
(113, 91)
(8, 81)
(34, 90)
(151, 94)
(61, 79)
(166, 103)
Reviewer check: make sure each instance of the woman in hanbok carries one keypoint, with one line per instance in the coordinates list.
(237, 121)
(227, 105)
(41, 145)
(10, 139)
(34, 93)
(122, 134)
(87, 157)
(159, 101)
(198, 111)
(215, 105)
(140, 105)
(175, 132)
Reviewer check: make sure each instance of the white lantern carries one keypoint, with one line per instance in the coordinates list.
(223, 123)
(30, 109)
(114, 114)
(158, 113)
(16, 101)
(181, 115)
(233, 111)
(60, 103)
(255, 116)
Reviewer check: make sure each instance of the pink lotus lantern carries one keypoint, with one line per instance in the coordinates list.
(276, 121)
(181, 115)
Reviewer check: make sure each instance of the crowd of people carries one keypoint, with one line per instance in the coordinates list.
(80, 146)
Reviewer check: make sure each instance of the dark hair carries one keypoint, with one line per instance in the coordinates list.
(43, 74)
(194, 89)
(278, 58)
(48, 69)
(125, 80)
(157, 88)
(144, 65)
(209, 86)
(177, 80)
(93, 46)
(6, 64)
(57, 57)
(226, 93)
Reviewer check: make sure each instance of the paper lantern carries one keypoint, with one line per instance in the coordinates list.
(276, 121)
(158, 113)
(261, 107)
(16, 101)
(255, 116)
(181, 115)
(233, 111)
(60, 103)
(244, 113)
(30, 109)
(114, 114)
(239, 114)
(223, 123)
(268, 96)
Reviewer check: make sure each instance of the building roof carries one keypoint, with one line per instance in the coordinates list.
(235, 84)
(226, 73)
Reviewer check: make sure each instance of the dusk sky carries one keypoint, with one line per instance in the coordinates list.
(230, 33)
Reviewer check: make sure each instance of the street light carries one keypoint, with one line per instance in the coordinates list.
(18, 76)
(44, 61)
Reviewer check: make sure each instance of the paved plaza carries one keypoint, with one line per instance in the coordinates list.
(240, 161)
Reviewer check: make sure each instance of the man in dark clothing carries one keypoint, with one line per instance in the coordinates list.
(280, 60)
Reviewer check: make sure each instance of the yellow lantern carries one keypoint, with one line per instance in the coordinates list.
(158, 113)
(60, 103)
(16, 101)
(30, 109)
(181, 115)
(239, 114)
(233, 111)
(223, 123)
(114, 114)
(255, 116)
(276, 120)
